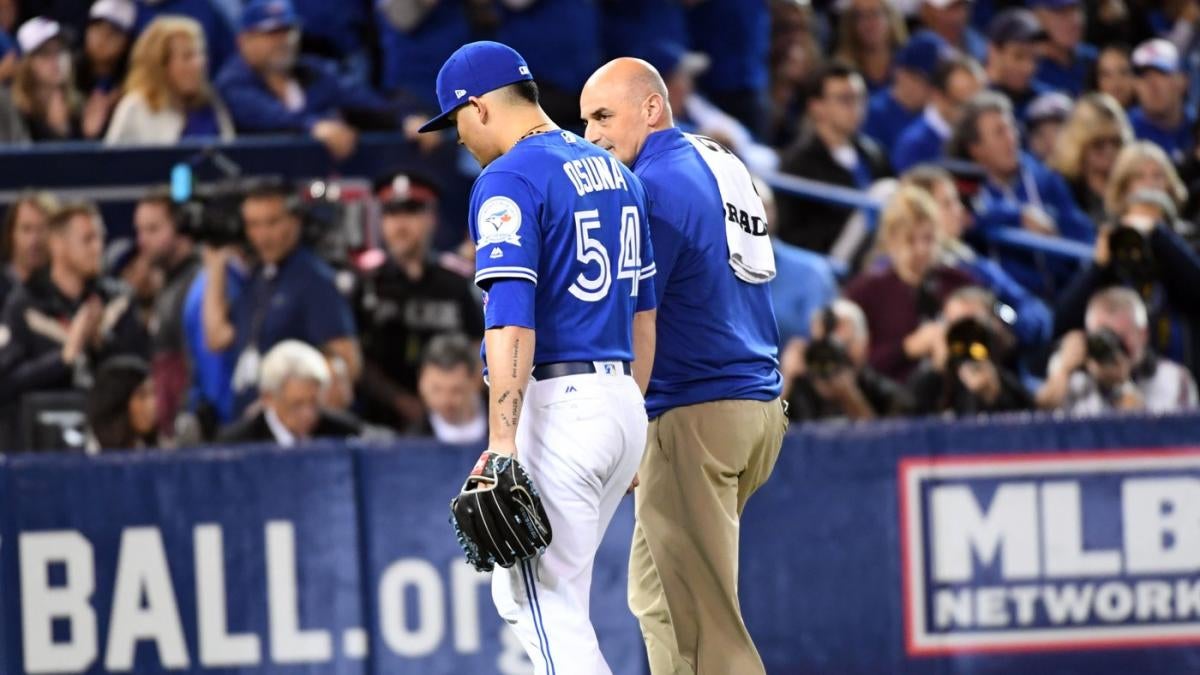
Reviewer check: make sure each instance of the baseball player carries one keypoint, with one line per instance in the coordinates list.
(717, 421)
(563, 254)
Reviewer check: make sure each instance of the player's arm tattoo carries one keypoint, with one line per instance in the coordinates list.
(516, 355)
(511, 414)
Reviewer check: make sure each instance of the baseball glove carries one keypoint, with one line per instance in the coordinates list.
(498, 515)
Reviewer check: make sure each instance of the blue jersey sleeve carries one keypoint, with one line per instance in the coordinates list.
(504, 223)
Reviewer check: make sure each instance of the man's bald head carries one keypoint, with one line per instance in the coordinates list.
(622, 103)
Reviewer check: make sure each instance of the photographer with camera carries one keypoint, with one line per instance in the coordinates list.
(1112, 366)
(971, 371)
(829, 378)
(290, 294)
(1143, 252)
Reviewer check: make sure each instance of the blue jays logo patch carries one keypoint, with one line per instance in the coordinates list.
(499, 220)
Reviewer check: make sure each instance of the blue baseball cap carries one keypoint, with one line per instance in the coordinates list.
(922, 53)
(262, 16)
(474, 69)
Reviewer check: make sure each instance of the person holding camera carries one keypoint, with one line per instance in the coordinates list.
(830, 378)
(290, 294)
(970, 371)
(1112, 366)
(1143, 252)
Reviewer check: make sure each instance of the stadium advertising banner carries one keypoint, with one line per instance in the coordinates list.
(918, 547)
(326, 560)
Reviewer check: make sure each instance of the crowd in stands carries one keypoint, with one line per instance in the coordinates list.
(1069, 122)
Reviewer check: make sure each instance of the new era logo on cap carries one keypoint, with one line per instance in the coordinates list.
(474, 70)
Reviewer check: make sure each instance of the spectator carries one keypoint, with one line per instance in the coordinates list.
(23, 246)
(1112, 367)
(216, 26)
(452, 391)
(830, 378)
(43, 89)
(171, 251)
(955, 82)
(803, 282)
(1113, 75)
(168, 95)
(891, 110)
(869, 34)
(1018, 190)
(833, 151)
(737, 81)
(1145, 166)
(1033, 323)
(951, 20)
(67, 316)
(270, 87)
(562, 60)
(121, 407)
(973, 378)
(695, 114)
(1087, 151)
(1044, 123)
(1013, 40)
(290, 295)
(408, 302)
(1143, 252)
(415, 38)
(9, 58)
(101, 65)
(293, 380)
(1065, 60)
(793, 57)
(1160, 115)
(902, 299)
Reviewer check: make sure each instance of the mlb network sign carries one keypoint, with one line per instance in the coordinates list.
(1014, 553)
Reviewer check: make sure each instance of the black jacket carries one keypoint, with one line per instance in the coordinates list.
(812, 224)
(34, 326)
(332, 424)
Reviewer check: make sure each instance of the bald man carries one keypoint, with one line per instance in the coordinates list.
(716, 421)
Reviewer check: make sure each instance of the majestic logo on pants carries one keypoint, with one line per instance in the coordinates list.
(1058, 551)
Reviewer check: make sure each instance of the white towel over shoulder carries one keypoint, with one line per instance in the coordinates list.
(750, 253)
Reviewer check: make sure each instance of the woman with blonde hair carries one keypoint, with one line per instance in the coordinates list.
(1087, 149)
(869, 33)
(1144, 166)
(168, 95)
(903, 298)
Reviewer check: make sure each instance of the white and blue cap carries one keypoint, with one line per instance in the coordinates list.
(474, 70)
(1156, 54)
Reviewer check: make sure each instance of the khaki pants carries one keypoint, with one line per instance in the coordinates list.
(702, 463)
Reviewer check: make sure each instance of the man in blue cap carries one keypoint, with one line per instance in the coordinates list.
(1014, 37)
(1066, 60)
(898, 106)
(1161, 115)
(563, 256)
(271, 87)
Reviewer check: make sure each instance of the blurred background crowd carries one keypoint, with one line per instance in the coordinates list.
(997, 213)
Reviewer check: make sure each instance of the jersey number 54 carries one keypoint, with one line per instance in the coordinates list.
(591, 251)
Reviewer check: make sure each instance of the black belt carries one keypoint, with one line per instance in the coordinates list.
(547, 371)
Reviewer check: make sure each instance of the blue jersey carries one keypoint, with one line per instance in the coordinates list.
(717, 337)
(567, 216)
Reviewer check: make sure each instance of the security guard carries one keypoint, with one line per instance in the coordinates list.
(407, 301)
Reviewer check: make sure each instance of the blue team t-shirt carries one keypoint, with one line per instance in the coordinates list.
(717, 336)
(561, 213)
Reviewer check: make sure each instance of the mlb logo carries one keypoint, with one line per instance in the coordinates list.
(1020, 553)
(524, 70)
